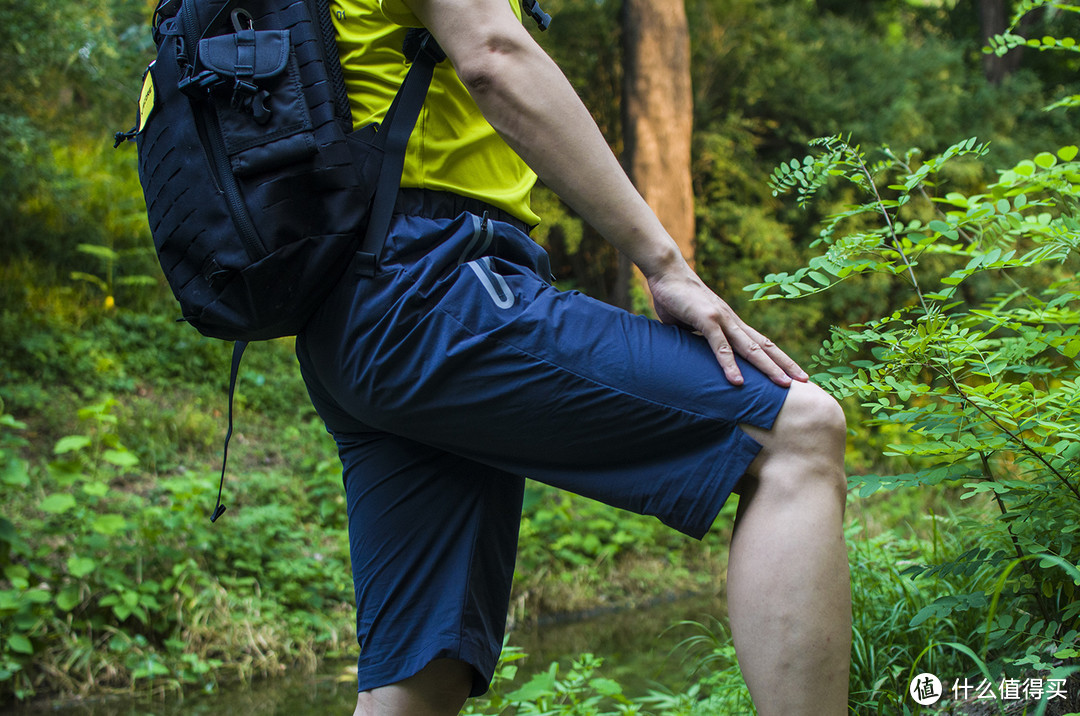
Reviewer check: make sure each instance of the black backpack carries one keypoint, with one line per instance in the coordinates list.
(258, 190)
(256, 185)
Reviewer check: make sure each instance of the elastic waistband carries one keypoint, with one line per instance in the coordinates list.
(447, 205)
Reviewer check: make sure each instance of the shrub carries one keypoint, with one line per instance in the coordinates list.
(976, 362)
(111, 578)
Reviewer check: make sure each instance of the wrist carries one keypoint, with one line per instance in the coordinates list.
(664, 258)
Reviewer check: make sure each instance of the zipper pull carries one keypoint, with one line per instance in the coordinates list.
(122, 137)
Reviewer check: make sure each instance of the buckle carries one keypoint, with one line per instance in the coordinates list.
(242, 93)
(200, 84)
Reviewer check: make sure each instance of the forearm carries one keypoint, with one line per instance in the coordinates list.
(558, 138)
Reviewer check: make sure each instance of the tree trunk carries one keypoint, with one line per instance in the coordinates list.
(993, 19)
(657, 107)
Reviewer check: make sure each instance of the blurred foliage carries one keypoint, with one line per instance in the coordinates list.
(767, 78)
(67, 86)
(113, 577)
(113, 412)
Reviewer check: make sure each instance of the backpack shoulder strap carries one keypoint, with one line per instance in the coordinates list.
(394, 137)
(424, 53)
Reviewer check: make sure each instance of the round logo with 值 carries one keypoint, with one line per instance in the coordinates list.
(925, 689)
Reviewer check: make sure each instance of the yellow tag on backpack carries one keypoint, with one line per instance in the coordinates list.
(146, 98)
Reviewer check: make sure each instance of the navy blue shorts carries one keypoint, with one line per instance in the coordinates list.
(459, 371)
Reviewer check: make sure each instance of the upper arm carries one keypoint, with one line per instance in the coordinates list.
(471, 31)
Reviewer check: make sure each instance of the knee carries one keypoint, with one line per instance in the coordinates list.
(805, 447)
(818, 420)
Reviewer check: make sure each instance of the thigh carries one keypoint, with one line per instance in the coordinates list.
(432, 538)
(480, 356)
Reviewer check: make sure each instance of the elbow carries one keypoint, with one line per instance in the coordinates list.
(479, 78)
(485, 70)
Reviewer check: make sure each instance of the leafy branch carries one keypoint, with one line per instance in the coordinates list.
(983, 384)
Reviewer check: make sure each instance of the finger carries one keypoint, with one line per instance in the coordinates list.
(778, 356)
(762, 354)
(756, 355)
(725, 354)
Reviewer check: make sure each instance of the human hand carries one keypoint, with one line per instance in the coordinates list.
(681, 298)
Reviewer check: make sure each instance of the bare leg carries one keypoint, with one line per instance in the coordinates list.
(439, 689)
(789, 595)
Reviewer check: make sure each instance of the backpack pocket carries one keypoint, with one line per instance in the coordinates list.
(259, 100)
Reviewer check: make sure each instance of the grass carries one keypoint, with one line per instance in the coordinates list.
(90, 612)
(129, 587)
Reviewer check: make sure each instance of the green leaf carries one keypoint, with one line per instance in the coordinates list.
(90, 278)
(80, 566)
(150, 669)
(1025, 168)
(20, 644)
(70, 443)
(1067, 154)
(121, 458)
(57, 504)
(607, 687)
(96, 489)
(9, 600)
(11, 422)
(37, 596)
(102, 252)
(1045, 160)
(15, 473)
(138, 280)
(110, 524)
(539, 685)
(18, 574)
(68, 599)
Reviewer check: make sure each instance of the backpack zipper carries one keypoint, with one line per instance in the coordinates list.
(219, 158)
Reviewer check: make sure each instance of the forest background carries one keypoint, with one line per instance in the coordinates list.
(923, 249)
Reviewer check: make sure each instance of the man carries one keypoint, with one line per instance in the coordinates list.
(458, 370)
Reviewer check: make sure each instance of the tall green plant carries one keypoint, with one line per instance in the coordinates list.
(976, 362)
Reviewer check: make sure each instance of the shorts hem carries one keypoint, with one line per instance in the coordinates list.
(737, 460)
(387, 673)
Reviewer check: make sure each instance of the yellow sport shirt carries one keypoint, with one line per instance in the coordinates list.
(453, 148)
